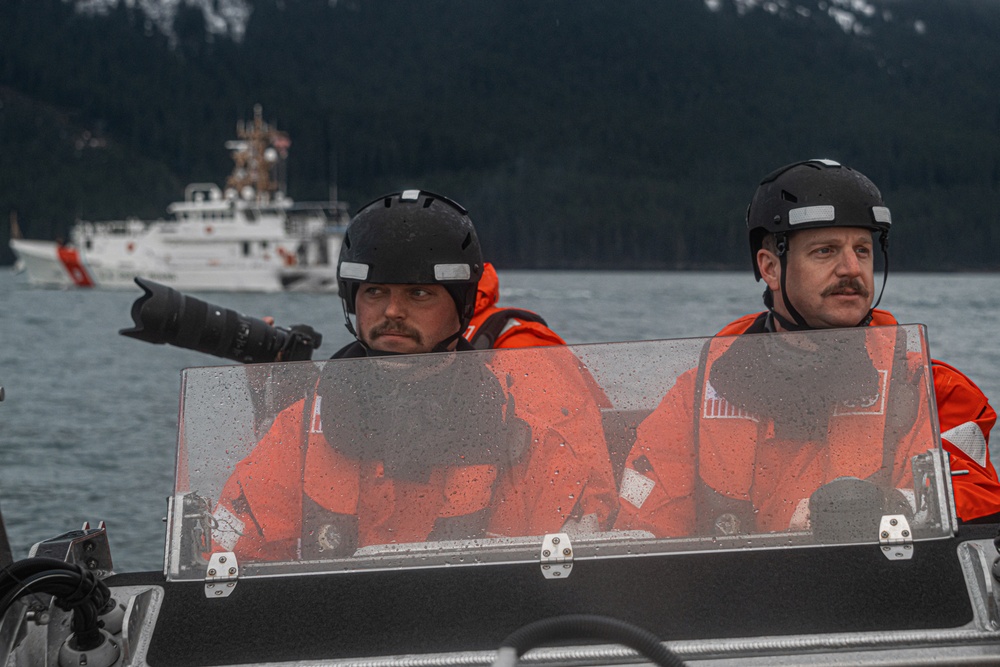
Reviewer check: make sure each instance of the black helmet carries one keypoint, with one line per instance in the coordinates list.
(812, 194)
(808, 195)
(412, 237)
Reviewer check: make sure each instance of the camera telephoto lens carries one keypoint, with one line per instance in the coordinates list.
(164, 315)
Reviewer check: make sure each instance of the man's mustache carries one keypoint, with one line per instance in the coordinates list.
(853, 284)
(394, 329)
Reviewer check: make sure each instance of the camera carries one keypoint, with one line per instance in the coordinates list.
(164, 315)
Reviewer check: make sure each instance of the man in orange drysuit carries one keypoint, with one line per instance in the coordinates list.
(811, 227)
(335, 472)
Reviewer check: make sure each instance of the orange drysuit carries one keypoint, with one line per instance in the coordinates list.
(742, 462)
(346, 503)
(297, 496)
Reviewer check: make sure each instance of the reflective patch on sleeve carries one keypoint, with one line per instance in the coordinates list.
(228, 528)
(970, 439)
(635, 488)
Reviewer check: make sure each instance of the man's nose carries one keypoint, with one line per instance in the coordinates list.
(849, 264)
(395, 306)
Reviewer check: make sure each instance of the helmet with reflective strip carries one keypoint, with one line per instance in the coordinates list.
(412, 237)
(813, 194)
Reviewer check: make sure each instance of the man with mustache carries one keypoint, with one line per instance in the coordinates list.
(813, 227)
(409, 450)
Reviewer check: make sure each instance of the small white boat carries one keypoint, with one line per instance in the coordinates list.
(249, 236)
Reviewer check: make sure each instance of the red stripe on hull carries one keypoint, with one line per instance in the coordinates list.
(70, 259)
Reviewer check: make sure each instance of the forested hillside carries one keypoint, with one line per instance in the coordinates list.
(579, 133)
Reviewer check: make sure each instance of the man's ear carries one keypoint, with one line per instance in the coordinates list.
(770, 269)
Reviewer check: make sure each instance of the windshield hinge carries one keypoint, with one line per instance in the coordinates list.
(895, 538)
(221, 575)
(557, 556)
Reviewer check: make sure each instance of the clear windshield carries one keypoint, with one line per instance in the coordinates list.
(758, 441)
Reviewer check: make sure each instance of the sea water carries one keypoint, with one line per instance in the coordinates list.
(88, 429)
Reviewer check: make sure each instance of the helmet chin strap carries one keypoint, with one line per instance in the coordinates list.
(463, 320)
(800, 323)
(347, 321)
(444, 345)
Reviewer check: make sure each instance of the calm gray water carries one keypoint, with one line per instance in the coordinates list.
(88, 429)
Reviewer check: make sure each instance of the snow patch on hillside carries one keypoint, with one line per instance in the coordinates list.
(857, 17)
(222, 17)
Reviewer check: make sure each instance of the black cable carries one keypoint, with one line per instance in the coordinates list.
(74, 588)
(25, 568)
(584, 626)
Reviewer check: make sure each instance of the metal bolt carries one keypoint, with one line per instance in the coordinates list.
(555, 540)
(885, 533)
(88, 547)
(567, 551)
(222, 559)
(91, 564)
(232, 570)
(556, 573)
(893, 522)
(211, 572)
(546, 567)
(906, 533)
(219, 592)
(37, 617)
(546, 553)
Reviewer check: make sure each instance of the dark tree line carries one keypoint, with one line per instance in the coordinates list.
(579, 133)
